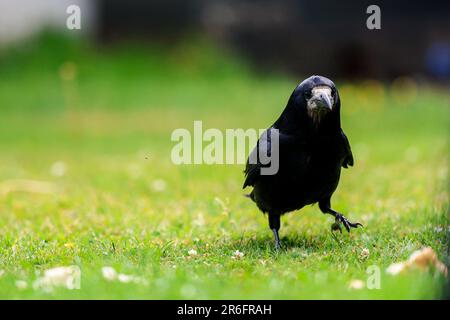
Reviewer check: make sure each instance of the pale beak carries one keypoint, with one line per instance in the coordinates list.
(325, 101)
(322, 98)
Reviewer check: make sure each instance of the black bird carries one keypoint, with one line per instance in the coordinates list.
(311, 148)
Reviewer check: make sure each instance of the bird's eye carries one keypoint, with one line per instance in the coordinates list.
(308, 94)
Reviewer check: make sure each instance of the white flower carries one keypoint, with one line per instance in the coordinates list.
(109, 273)
(237, 255)
(67, 277)
(192, 252)
(58, 169)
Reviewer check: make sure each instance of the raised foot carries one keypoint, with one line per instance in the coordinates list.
(340, 219)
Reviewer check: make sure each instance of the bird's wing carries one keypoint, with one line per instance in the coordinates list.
(348, 160)
(253, 170)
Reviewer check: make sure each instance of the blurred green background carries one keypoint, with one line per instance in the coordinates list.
(86, 177)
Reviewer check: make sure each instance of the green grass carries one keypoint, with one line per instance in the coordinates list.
(107, 114)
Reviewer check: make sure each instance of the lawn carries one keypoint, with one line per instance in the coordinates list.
(86, 179)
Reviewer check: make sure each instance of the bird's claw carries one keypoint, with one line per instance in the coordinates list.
(278, 246)
(347, 224)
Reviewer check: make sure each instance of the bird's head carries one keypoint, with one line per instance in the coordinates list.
(314, 104)
(318, 95)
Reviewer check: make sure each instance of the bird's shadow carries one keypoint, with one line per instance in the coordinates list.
(289, 242)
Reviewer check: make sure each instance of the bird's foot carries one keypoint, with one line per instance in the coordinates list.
(340, 219)
(277, 239)
(278, 245)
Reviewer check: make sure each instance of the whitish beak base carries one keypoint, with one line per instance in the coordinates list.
(320, 103)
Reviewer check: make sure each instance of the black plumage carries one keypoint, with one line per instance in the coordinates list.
(312, 148)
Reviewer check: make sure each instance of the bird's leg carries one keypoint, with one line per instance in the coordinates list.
(274, 224)
(325, 207)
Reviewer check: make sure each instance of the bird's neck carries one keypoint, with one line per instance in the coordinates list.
(302, 125)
